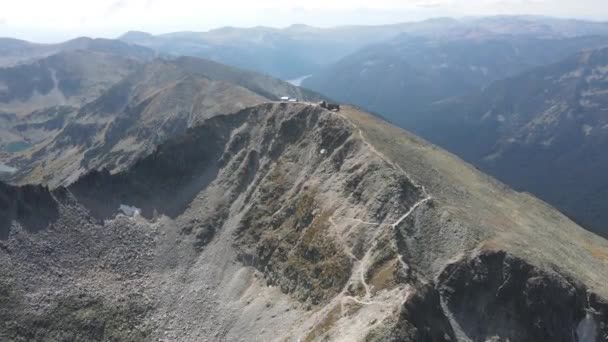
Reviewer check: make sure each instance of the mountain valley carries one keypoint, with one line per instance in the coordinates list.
(542, 131)
(404, 76)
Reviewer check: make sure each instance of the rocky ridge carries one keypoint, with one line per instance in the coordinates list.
(291, 222)
(154, 102)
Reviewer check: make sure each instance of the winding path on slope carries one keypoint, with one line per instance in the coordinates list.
(364, 262)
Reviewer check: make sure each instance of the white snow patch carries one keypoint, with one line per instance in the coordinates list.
(7, 169)
(573, 74)
(587, 129)
(129, 210)
(323, 151)
(586, 331)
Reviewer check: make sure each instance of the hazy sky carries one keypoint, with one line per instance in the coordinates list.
(53, 20)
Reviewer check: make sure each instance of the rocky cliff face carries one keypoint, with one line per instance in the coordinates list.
(494, 294)
(32, 206)
(291, 222)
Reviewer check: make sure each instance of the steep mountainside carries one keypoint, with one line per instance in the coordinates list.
(67, 78)
(400, 77)
(545, 131)
(290, 222)
(40, 97)
(18, 133)
(158, 101)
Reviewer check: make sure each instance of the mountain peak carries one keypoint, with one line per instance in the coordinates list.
(329, 218)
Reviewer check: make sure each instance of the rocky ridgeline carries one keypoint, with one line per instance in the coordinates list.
(282, 222)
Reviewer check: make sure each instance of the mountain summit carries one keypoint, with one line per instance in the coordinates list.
(291, 222)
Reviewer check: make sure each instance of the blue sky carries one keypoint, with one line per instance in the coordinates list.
(46, 21)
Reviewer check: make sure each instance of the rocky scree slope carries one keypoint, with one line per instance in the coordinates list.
(290, 222)
(158, 100)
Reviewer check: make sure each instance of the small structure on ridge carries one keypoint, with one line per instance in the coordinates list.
(330, 106)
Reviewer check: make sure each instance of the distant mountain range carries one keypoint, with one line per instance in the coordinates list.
(284, 53)
(527, 107)
(39, 93)
(408, 73)
(544, 131)
(66, 78)
(14, 51)
(301, 50)
(76, 111)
